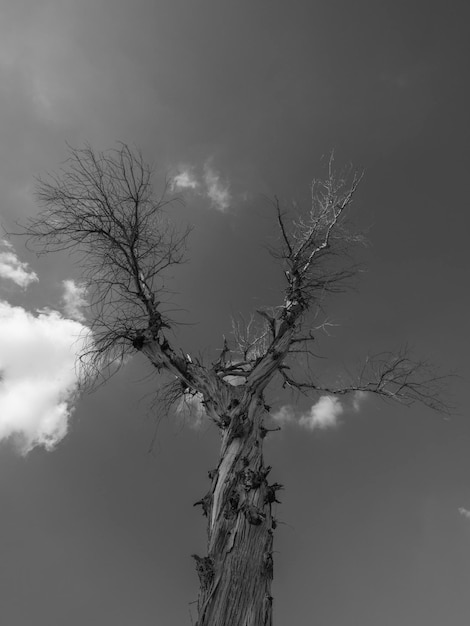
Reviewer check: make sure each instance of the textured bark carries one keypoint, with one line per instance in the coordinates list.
(235, 576)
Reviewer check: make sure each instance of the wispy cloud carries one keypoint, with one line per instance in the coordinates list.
(284, 415)
(464, 512)
(216, 189)
(208, 185)
(325, 413)
(14, 269)
(38, 375)
(74, 300)
(358, 400)
(185, 180)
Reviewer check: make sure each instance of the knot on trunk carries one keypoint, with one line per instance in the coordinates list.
(267, 607)
(138, 341)
(268, 564)
(232, 505)
(252, 479)
(212, 473)
(204, 569)
(237, 428)
(225, 421)
(253, 514)
(270, 496)
(156, 322)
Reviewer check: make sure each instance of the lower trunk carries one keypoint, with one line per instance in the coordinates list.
(235, 576)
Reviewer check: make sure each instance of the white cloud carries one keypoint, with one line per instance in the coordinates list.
(209, 185)
(216, 190)
(323, 414)
(358, 400)
(184, 180)
(38, 376)
(284, 415)
(74, 300)
(464, 512)
(14, 269)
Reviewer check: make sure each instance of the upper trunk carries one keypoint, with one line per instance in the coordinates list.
(235, 576)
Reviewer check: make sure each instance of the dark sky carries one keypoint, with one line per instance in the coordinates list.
(240, 100)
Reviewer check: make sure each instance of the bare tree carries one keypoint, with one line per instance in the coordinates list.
(102, 207)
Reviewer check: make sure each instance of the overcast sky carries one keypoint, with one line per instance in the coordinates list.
(238, 101)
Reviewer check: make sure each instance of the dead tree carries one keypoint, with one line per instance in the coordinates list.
(102, 208)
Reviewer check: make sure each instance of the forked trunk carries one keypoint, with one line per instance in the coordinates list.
(235, 576)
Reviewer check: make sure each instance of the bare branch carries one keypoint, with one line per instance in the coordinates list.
(391, 375)
(282, 227)
(102, 208)
(251, 337)
(314, 250)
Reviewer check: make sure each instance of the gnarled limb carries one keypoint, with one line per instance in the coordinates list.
(391, 375)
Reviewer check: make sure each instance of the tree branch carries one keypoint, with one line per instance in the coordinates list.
(101, 207)
(394, 376)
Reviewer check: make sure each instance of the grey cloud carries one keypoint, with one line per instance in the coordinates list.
(209, 185)
(74, 300)
(12, 268)
(464, 512)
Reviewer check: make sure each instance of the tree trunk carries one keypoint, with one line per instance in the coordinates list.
(235, 576)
